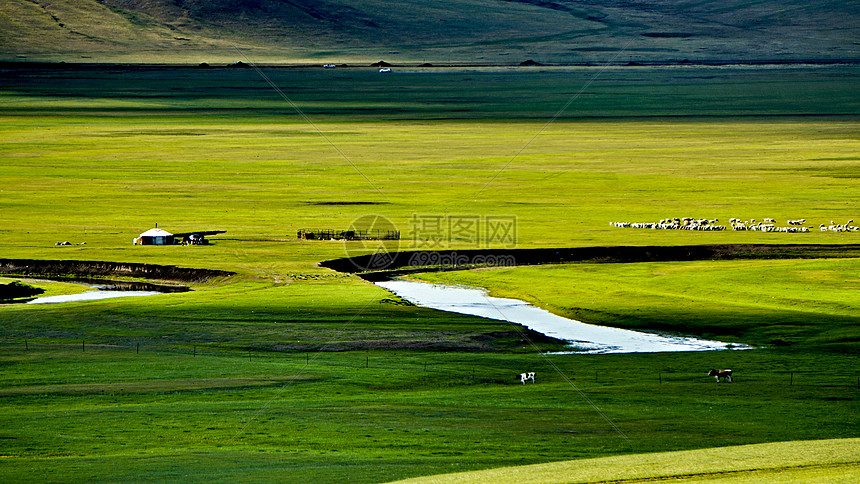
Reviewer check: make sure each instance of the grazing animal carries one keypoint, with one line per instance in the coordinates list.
(717, 374)
(527, 376)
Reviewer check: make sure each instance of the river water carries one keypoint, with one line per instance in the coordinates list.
(108, 290)
(583, 338)
(90, 296)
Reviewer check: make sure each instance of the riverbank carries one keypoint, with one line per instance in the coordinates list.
(374, 268)
(102, 269)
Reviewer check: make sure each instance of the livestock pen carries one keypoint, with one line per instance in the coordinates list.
(353, 234)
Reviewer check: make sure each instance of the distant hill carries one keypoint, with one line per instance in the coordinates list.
(434, 31)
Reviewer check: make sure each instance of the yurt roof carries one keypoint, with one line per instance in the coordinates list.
(156, 233)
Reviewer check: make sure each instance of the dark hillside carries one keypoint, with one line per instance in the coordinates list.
(414, 31)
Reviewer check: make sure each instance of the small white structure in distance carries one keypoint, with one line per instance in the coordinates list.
(385, 69)
(154, 237)
(328, 66)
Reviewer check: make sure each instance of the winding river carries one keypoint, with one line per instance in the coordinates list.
(583, 338)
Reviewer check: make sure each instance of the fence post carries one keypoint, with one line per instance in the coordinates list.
(791, 379)
(660, 377)
(26, 345)
(195, 350)
(137, 351)
(83, 345)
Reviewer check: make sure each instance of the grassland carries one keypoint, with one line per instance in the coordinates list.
(637, 144)
(413, 31)
(107, 413)
(818, 461)
(290, 372)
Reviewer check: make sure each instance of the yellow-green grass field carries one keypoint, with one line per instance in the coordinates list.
(811, 461)
(100, 156)
(288, 371)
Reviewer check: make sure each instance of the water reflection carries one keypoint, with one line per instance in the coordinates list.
(106, 289)
(90, 296)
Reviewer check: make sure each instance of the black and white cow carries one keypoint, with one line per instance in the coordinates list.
(724, 374)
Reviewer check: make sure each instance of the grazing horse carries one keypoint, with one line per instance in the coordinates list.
(717, 374)
(527, 376)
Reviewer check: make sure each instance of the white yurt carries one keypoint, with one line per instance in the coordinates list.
(154, 237)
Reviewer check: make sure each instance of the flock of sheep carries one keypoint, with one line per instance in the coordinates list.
(709, 225)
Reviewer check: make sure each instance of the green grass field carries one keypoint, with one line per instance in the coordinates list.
(290, 372)
(107, 413)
